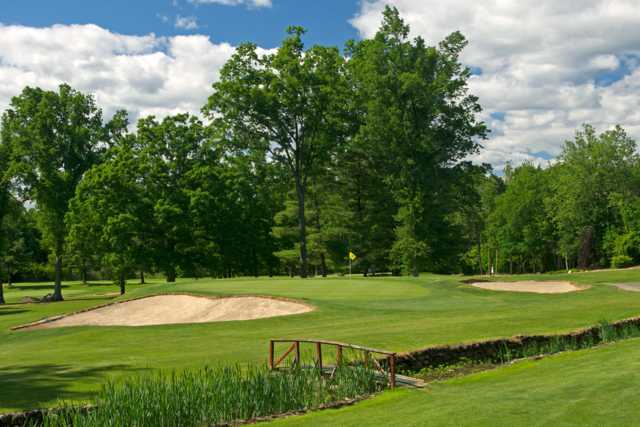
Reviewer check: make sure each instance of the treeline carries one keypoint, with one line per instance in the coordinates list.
(581, 212)
(301, 156)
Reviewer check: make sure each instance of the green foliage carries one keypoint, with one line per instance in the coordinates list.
(308, 154)
(55, 138)
(592, 169)
(213, 396)
(108, 218)
(289, 103)
(621, 261)
(418, 122)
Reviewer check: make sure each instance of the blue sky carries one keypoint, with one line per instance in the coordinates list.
(539, 72)
(327, 21)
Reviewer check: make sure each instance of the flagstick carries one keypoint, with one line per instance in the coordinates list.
(350, 267)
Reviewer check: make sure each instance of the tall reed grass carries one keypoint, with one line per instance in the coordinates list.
(217, 395)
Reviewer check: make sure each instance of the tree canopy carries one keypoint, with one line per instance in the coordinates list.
(303, 155)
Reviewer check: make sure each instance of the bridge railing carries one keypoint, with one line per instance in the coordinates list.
(372, 357)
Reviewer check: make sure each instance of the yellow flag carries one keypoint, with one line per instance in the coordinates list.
(352, 256)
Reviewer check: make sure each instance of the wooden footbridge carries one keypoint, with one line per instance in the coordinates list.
(382, 361)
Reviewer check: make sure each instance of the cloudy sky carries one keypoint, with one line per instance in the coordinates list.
(541, 68)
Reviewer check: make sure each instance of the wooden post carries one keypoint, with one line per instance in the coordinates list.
(392, 371)
(319, 352)
(271, 345)
(366, 359)
(298, 353)
(339, 355)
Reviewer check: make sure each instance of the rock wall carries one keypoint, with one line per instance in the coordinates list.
(500, 350)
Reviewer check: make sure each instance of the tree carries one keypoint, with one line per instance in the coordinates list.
(289, 103)
(56, 138)
(591, 168)
(169, 152)
(109, 214)
(519, 228)
(418, 121)
(17, 247)
(5, 196)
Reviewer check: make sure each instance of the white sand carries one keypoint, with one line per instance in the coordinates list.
(529, 286)
(633, 287)
(169, 309)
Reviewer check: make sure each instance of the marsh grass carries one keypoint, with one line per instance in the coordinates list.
(213, 396)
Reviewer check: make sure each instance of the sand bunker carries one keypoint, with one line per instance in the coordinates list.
(633, 287)
(170, 309)
(529, 286)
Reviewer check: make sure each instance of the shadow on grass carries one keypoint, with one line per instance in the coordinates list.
(5, 311)
(34, 287)
(37, 386)
(99, 284)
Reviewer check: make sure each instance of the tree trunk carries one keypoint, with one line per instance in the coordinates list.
(414, 269)
(479, 240)
(254, 257)
(57, 288)
(1, 292)
(171, 275)
(9, 277)
(83, 273)
(142, 282)
(323, 265)
(302, 225)
(123, 282)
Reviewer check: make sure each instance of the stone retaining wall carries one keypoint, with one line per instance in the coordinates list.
(495, 350)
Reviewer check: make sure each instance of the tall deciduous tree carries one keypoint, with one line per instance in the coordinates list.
(592, 168)
(109, 215)
(419, 122)
(56, 137)
(5, 195)
(169, 152)
(290, 103)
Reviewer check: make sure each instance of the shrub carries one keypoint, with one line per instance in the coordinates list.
(621, 261)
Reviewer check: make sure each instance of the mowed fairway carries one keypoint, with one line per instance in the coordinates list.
(38, 367)
(595, 387)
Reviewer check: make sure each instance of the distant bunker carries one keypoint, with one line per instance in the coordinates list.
(176, 309)
(530, 286)
(633, 287)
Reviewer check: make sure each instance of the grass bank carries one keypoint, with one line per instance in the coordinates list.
(595, 387)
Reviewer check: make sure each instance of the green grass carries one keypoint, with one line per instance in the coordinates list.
(595, 387)
(40, 366)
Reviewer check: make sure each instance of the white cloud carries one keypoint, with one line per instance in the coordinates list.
(143, 74)
(186, 22)
(249, 3)
(540, 64)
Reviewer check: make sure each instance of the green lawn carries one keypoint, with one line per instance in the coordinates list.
(596, 387)
(38, 367)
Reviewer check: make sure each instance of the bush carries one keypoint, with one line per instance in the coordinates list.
(621, 261)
